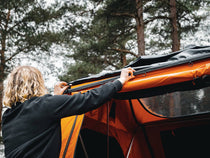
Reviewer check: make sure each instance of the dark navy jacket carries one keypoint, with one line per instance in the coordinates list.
(32, 129)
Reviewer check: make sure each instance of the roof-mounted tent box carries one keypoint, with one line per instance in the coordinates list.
(163, 112)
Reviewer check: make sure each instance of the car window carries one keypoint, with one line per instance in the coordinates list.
(180, 103)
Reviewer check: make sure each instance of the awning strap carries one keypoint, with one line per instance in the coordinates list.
(69, 139)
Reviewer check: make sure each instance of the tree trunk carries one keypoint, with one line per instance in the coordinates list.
(123, 60)
(2, 75)
(174, 100)
(1, 96)
(174, 33)
(3, 62)
(140, 28)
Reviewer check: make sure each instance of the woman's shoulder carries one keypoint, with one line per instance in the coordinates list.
(51, 100)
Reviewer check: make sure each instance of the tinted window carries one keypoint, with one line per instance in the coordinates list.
(179, 103)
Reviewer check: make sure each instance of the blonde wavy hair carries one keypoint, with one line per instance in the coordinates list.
(23, 83)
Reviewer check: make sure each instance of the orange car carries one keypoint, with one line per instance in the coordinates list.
(164, 112)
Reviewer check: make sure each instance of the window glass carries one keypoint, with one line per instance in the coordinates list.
(179, 103)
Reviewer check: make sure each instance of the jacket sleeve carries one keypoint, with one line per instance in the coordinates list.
(67, 105)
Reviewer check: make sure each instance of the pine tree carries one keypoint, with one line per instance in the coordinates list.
(116, 29)
(175, 19)
(27, 28)
(107, 39)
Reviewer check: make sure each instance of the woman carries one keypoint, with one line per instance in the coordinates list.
(31, 125)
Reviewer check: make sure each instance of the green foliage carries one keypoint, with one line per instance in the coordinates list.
(80, 70)
(188, 20)
(31, 27)
(103, 42)
(104, 38)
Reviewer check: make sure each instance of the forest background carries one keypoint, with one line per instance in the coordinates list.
(70, 39)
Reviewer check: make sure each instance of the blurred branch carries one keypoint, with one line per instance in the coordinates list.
(123, 14)
(124, 51)
(155, 18)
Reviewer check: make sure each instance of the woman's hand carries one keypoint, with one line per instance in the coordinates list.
(126, 75)
(60, 87)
